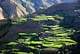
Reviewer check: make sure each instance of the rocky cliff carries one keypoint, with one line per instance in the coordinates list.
(11, 9)
(1, 14)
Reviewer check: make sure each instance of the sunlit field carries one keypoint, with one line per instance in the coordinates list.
(55, 37)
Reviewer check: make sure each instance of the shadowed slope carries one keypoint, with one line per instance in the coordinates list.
(13, 9)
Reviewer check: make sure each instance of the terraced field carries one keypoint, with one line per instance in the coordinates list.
(53, 37)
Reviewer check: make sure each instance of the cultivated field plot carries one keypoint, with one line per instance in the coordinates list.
(52, 37)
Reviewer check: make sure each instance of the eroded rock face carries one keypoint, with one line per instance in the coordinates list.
(1, 14)
(13, 9)
(38, 5)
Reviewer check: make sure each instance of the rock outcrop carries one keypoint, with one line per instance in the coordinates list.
(1, 14)
(12, 9)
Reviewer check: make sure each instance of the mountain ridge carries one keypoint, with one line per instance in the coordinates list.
(63, 8)
(19, 8)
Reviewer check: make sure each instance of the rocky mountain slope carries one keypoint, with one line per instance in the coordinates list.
(1, 14)
(63, 8)
(35, 6)
(11, 9)
(18, 8)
